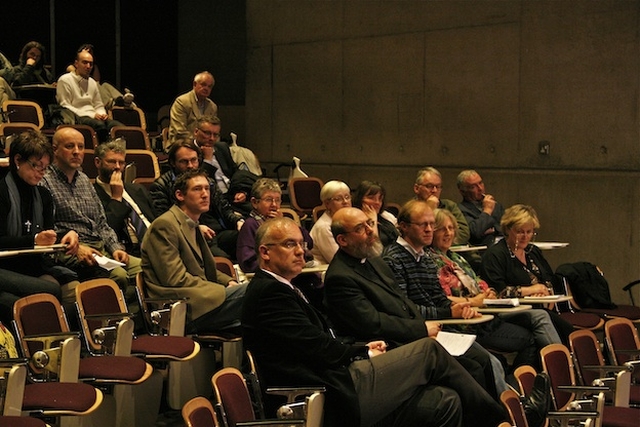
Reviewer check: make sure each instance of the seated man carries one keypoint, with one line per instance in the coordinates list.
(415, 384)
(428, 187)
(220, 225)
(77, 207)
(190, 106)
(364, 301)
(128, 207)
(78, 92)
(177, 262)
(482, 211)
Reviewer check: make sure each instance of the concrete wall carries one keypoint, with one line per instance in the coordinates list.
(377, 89)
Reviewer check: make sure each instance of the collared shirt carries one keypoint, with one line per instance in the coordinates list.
(78, 207)
(222, 180)
(416, 254)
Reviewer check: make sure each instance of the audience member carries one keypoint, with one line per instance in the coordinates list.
(78, 207)
(78, 92)
(364, 301)
(221, 224)
(481, 210)
(6, 93)
(234, 184)
(516, 268)
(26, 220)
(30, 68)
(335, 195)
(128, 207)
(508, 332)
(177, 262)
(369, 197)
(190, 106)
(415, 384)
(428, 187)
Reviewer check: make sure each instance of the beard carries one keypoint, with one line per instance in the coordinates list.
(368, 249)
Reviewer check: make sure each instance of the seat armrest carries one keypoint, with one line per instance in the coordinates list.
(291, 393)
(48, 339)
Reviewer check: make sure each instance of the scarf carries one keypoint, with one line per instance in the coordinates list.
(14, 219)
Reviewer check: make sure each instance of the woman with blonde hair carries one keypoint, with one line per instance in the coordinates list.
(335, 195)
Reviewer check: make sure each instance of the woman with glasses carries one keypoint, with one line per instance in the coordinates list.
(369, 197)
(335, 195)
(515, 267)
(26, 220)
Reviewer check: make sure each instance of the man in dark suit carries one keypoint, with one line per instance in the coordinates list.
(365, 384)
(364, 301)
(128, 207)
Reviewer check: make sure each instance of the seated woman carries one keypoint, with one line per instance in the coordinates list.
(369, 197)
(266, 196)
(30, 68)
(26, 219)
(335, 195)
(516, 268)
(460, 284)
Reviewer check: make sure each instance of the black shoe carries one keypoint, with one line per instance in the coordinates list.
(538, 403)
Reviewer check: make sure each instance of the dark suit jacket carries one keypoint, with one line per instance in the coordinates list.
(364, 301)
(293, 346)
(118, 212)
(222, 154)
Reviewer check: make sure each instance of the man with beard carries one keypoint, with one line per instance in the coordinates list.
(364, 301)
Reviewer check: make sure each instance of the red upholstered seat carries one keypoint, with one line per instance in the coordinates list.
(173, 346)
(630, 312)
(582, 320)
(115, 368)
(77, 397)
(8, 421)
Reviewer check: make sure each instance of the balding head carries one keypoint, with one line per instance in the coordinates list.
(355, 233)
(68, 147)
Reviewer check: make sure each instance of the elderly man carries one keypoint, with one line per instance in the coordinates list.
(415, 384)
(189, 107)
(220, 225)
(481, 210)
(177, 262)
(128, 207)
(364, 301)
(428, 187)
(78, 92)
(77, 207)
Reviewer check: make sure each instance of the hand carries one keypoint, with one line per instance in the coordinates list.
(488, 204)
(458, 310)
(71, 240)
(45, 238)
(478, 300)
(377, 347)
(538, 290)
(101, 117)
(207, 232)
(490, 293)
(31, 62)
(232, 283)
(433, 202)
(120, 255)
(85, 255)
(117, 185)
(433, 328)
(207, 151)
(240, 198)
(370, 212)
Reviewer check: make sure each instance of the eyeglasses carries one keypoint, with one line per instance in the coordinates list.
(289, 244)
(423, 224)
(37, 167)
(341, 199)
(525, 232)
(271, 200)
(193, 160)
(449, 228)
(209, 133)
(360, 228)
(431, 187)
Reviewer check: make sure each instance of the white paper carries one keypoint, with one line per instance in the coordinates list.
(108, 263)
(455, 344)
(511, 302)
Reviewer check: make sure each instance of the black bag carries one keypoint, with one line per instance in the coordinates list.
(589, 287)
(538, 403)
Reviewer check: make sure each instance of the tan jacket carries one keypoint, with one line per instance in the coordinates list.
(185, 113)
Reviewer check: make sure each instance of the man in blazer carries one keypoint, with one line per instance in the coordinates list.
(128, 207)
(364, 301)
(177, 262)
(190, 106)
(366, 384)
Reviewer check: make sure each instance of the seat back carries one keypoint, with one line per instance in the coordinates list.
(233, 396)
(305, 194)
(98, 297)
(164, 117)
(226, 266)
(20, 111)
(135, 136)
(511, 402)
(393, 208)
(129, 116)
(90, 137)
(9, 129)
(318, 211)
(525, 375)
(198, 412)
(586, 351)
(621, 335)
(89, 164)
(290, 213)
(556, 361)
(146, 161)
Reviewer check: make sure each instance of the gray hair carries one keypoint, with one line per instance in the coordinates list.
(331, 188)
(118, 145)
(464, 175)
(422, 172)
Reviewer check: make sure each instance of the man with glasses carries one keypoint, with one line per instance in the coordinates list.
(428, 187)
(482, 212)
(364, 301)
(177, 262)
(220, 224)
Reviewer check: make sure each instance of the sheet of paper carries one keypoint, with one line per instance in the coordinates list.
(509, 302)
(455, 344)
(108, 263)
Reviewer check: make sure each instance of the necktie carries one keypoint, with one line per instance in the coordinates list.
(300, 294)
(138, 224)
